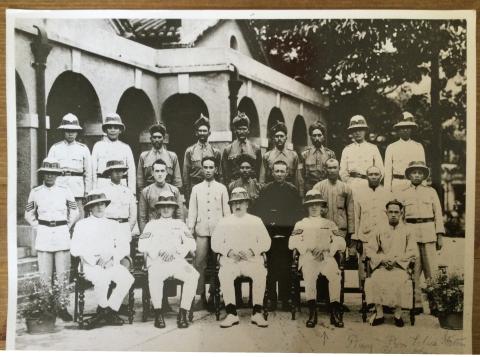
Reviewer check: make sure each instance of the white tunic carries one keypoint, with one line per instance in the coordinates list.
(54, 203)
(106, 150)
(359, 157)
(74, 157)
(397, 157)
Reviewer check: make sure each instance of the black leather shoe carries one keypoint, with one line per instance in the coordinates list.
(94, 322)
(312, 314)
(378, 321)
(399, 322)
(336, 315)
(65, 315)
(182, 321)
(159, 320)
(112, 318)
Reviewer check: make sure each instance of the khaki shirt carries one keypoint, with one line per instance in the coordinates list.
(230, 167)
(423, 202)
(145, 162)
(123, 203)
(312, 166)
(287, 155)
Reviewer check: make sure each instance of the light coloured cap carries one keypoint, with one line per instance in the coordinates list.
(50, 166)
(113, 165)
(95, 197)
(113, 119)
(313, 196)
(417, 165)
(358, 122)
(406, 122)
(70, 122)
(239, 194)
(166, 199)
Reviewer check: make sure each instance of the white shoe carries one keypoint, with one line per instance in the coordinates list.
(229, 321)
(258, 320)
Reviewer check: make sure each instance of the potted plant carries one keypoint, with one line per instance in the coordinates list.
(43, 300)
(445, 296)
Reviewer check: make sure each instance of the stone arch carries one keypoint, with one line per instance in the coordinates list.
(274, 117)
(73, 93)
(299, 134)
(247, 106)
(137, 113)
(179, 112)
(24, 159)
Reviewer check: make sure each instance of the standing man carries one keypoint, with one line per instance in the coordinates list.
(51, 210)
(246, 181)
(241, 239)
(312, 159)
(358, 156)
(158, 151)
(111, 148)
(280, 152)
(369, 208)
(74, 159)
(280, 207)
(400, 153)
(166, 242)
(95, 242)
(149, 195)
(340, 203)
(423, 215)
(208, 204)
(241, 145)
(192, 163)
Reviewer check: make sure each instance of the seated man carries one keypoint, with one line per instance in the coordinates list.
(166, 242)
(316, 240)
(241, 238)
(390, 251)
(94, 241)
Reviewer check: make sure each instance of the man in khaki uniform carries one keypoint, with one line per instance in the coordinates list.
(192, 163)
(158, 151)
(312, 159)
(423, 215)
(280, 153)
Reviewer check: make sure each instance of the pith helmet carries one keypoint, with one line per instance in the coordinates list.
(70, 122)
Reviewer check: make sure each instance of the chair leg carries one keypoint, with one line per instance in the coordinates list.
(265, 299)
(412, 311)
(364, 301)
(81, 305)
(145, 302)
(216, 297)
(190, 312)
(75, 307)
(131, 302)
(293, 294)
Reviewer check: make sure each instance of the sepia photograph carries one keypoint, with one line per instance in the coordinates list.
(241, 181)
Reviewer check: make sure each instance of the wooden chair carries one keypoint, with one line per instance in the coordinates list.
(82, 284)
(297, 277)
(216, 288)
(411, 275)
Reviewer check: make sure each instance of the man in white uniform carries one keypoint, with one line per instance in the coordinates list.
(317, 241)
(95, 242)
(358, 156)
(241, 239)
(51, 210)
(111, 148)
(166, 242)
(400, 153)
(75, 161)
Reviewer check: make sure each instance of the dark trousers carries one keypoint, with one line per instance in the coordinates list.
(279, 261)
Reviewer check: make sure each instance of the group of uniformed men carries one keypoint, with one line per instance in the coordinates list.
(255, 214)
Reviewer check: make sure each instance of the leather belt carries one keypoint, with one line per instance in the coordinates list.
(357, 175)
(72, 173)
(397, 176)
(52, 223)
(119, 220)
(420, 220)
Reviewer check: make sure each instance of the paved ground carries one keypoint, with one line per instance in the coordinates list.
(283, 334)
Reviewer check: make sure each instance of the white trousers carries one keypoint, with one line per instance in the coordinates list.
(389, 287)
(101, 279)
(230, 270)
(179, 269)
(329, 269)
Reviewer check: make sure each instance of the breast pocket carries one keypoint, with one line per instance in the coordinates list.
(76, 163)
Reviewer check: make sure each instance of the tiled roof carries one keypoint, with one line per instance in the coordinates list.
(151, 32)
